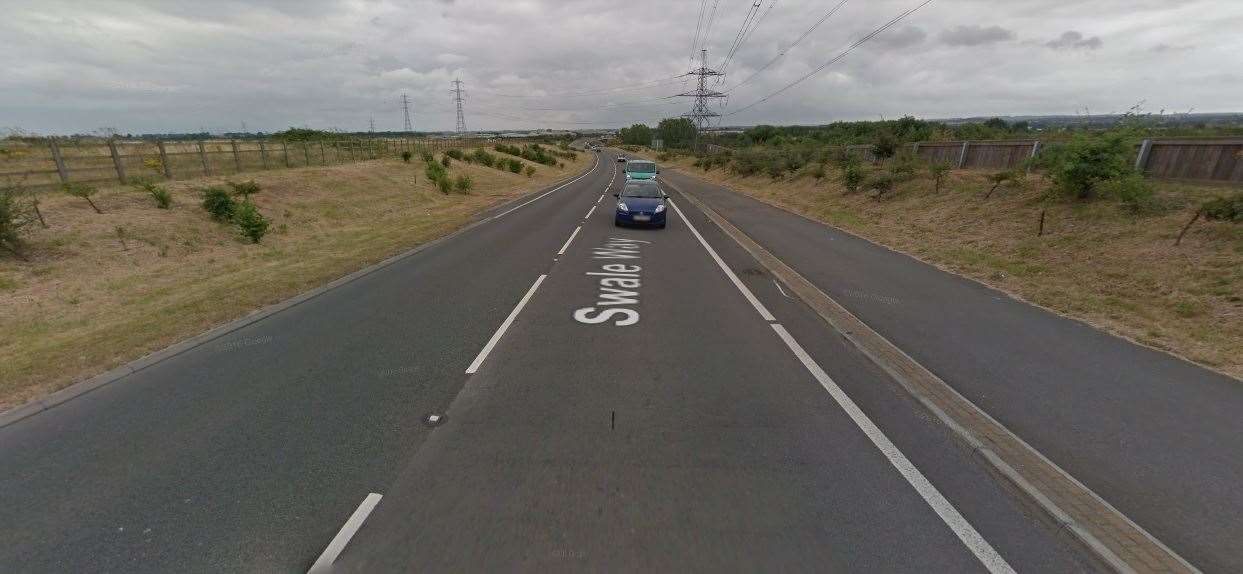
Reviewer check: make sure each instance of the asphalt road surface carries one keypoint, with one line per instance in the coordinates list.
(706, 421)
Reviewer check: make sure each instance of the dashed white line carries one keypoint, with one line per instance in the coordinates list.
(589, 212)
(601, 198)
(483, 354)
(963, 529)
(728, 272)
(329, 555)
(571, 239)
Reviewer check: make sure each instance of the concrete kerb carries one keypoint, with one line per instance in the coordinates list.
(80, 388)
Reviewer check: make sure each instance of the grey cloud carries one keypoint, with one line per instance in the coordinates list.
(974, 35)
(903, 37)
(1073, 40)
(1163, 48)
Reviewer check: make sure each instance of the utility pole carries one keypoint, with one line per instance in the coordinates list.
(457, 97)
(700, 114)
(405, 108)
(372, 125)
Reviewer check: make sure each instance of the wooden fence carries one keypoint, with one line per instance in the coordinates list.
(57, 161)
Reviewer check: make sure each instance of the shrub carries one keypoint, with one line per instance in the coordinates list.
(938, 171)
(445, 161)
(252, 224)
(218, 203)
(1080, 167)
(444, 184)
(455, 154)
(1225, 209)
(464, 183)
(427, 156)
(16, 216)
(435, 172)
(903, 170)
(82, 190)
(817, 171)
(530, 171)
(483, 157)
(881, 182)
(1133, 191)
(515, 166)
(244, 189)
(853, 177)
(163, 199)
(885, 147)
(406, 155)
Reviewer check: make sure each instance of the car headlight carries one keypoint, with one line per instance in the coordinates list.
(621, 206)
(660, 208)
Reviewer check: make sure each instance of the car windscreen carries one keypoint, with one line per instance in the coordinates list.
(650, 191)
(641, 167)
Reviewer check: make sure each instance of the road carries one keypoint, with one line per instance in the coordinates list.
(726, 428)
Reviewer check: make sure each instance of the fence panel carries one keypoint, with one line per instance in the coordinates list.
(1205, 160)
(998, 154)
(940, 152)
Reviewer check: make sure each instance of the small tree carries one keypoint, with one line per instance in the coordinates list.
(853, 177)
(163, 199)
(530, 171)
(445, 161)
(938, 171)
(463, 183)
(998, 179)
(885, 147)
(252, 224)
(1081, 166)
(82, 190)
(15, 219)
(445, 185)
(406, 155)
(245, 189)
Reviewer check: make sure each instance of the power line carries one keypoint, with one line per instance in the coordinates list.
(742, 30)
(835, 59)
(457, 98)
(670, 80)
(747, 36)
(703, 40)
(782, 53)
(703, 4)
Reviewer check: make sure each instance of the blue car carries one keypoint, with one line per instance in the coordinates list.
(641, 202)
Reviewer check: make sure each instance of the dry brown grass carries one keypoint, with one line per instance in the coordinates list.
(88, 301)
(1096, 261)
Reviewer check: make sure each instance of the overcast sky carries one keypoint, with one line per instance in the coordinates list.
(185, 65)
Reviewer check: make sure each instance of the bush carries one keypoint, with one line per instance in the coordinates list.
(244, 189)
(82, 190)
(1225, 209)
(163, 199)
(16, 216)
(817, 171)
(530, 171)
(435, 172)
(885, 147)
(514, 165)
(444, 184)
(1133, 191)
(483, 157)
(218, 203)
(252, 224)
(1080, 167)
(853, 177)
(464, 183)
(406, 155)
(445, 161)
(881, 182)
(427, 156)
(455, 154)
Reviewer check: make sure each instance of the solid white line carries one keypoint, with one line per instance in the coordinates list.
(728, 273)
(568, 241)
(589, 212)
(963, 529)
(483, 354)
(330, 554)
(541, 196)
(783, 291)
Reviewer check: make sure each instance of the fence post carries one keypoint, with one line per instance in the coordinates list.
(285, 150)
(168, 171)
(1035, 150)
(60, 161)
(323, 159)
(203, 158)
(1141, 161)
(306, 155)
(237, 160)
(116, 160)
(263, 153)
(962, 156)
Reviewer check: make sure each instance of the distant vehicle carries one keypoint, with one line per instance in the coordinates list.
(641, 169)
(641, 202)
(621, 158)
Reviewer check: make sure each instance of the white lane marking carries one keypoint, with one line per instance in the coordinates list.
(589, 212)
(330, 554)
(541, 196)
(728, 273)
(601, 198)
(963, 529)
(571, 239)
(483, 354)
(783, 291)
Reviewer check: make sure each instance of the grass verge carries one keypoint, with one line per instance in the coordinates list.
(103, 289)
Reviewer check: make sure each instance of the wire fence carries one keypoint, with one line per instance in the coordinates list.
(52, 162)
